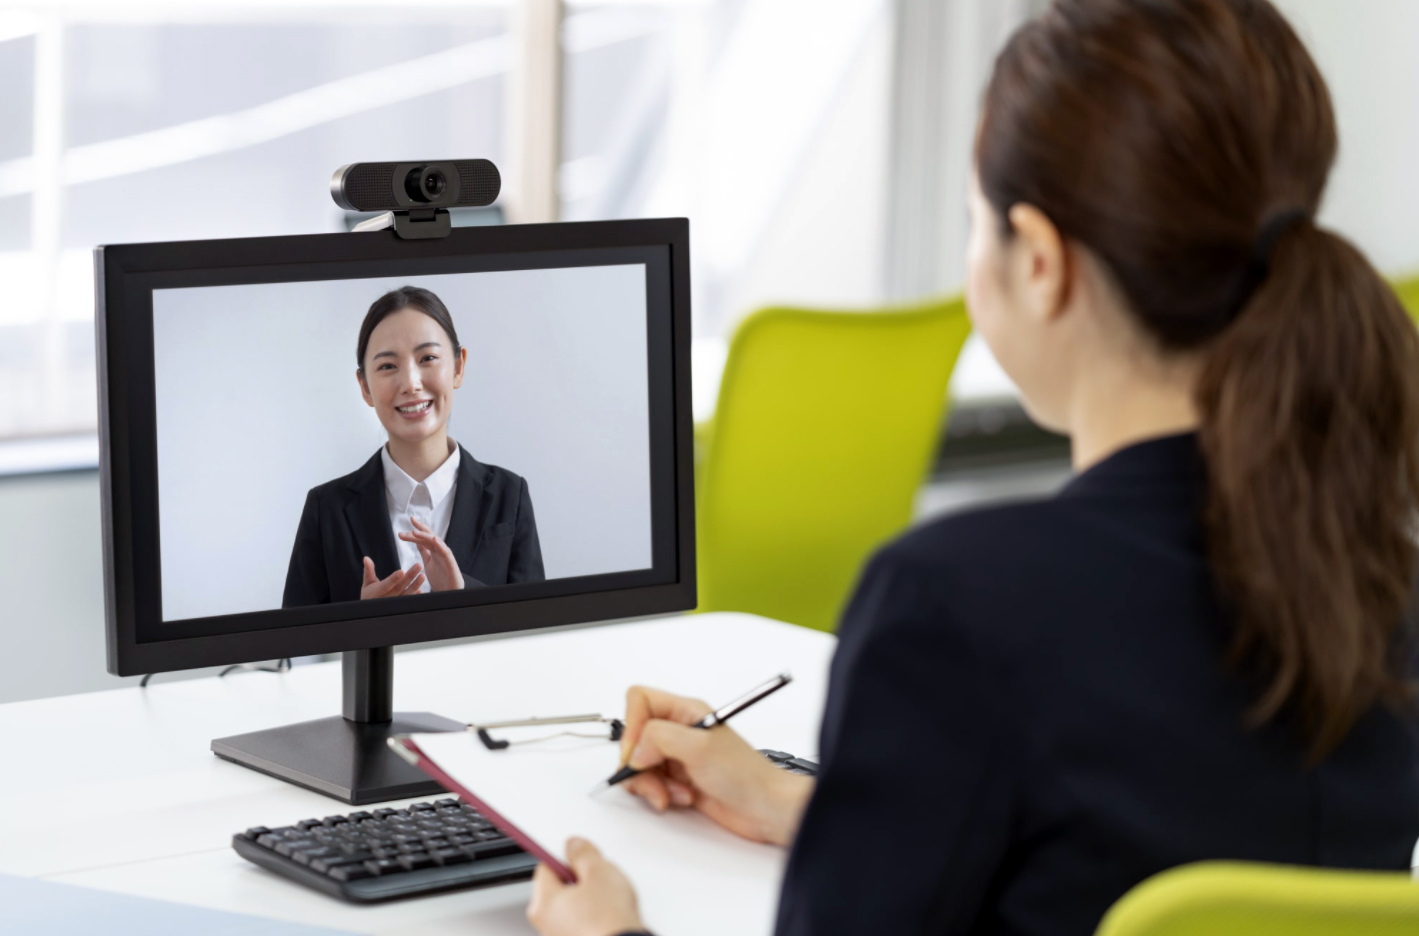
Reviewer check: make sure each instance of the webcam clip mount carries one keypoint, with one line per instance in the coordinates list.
(415, 224)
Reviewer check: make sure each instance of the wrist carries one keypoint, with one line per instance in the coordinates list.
(788, 796)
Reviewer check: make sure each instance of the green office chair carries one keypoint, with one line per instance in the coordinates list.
(825, 427)
(1218, 898)
(1409, 295)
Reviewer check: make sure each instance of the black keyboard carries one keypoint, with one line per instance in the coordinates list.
(797, 765)
(384, 854)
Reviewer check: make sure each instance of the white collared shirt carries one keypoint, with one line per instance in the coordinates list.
(430, 501)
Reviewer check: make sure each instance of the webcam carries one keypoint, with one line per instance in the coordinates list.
(387, 186)
(416, 194)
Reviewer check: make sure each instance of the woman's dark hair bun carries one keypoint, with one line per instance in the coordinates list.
(405, 297)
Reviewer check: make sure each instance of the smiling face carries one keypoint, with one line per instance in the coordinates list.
(410, 373)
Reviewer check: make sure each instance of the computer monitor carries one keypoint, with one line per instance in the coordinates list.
(250, 489)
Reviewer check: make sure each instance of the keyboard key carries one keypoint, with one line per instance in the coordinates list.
(422, 807)
(490, 835)
(308, 855)
(335, 820)
(448, 856)
(448, 802)
(776, 756)
(360, 816)
(255, 832)
(350, 872)
(462, 839)
(308, 824)
(334, 861)
(269, 840)
(385, 813)
(383, 866)
(492, 849)
(415, 862)
(802, 764)
(289, 847)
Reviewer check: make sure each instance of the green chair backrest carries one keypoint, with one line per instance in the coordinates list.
(1219, 898)
(825, 427)
(1409, 295)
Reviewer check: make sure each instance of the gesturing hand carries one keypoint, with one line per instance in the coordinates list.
(402, 582)
(600, 903)
(444, 574)
(714, 771)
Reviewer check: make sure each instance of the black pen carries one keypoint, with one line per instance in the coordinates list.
(717, 717)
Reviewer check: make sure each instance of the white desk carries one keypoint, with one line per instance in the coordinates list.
(119, 791)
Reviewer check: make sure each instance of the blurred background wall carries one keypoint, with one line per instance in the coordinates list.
(821, 149)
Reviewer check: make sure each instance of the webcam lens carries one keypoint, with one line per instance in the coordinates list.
(425, 184)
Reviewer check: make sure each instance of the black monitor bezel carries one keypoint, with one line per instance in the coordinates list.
(124, 276)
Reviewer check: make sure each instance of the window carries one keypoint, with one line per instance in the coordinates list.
(218, 120)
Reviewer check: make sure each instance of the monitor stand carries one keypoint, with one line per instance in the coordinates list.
(345, 757)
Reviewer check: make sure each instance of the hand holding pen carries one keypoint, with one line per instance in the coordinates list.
(715, 771)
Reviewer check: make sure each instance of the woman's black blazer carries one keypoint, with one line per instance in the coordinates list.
(1030, 712)
(492, 533)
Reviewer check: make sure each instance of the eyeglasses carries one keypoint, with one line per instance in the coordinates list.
(614, 728)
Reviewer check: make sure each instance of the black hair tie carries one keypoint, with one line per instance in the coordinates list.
(1259, 265)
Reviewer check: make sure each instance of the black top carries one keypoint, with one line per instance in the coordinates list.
(492, 533)
(1029, 713)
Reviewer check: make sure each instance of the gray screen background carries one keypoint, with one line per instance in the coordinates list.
(257, 403)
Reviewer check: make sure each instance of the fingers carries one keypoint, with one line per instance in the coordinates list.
(644, 703)
(370, 577)
(664, 740)
(399, 582)
(583, 857)
(680, 794)
(422, 533)
(545, 887)
(410, 580)
(651, 788)
(427, 543)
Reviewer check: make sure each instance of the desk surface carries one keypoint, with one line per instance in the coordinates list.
(118, 790)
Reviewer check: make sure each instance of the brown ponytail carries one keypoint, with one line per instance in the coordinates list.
(1169, 137)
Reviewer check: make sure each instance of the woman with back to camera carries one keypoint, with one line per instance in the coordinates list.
(459, 523)
(1201, 647)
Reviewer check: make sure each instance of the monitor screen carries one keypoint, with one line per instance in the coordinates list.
(548, 467)
(367, 442)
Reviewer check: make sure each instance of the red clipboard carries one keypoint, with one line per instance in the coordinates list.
(405, 747)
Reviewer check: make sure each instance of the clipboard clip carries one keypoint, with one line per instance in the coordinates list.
(614, 729)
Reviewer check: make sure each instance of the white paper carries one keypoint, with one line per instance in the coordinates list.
(684, 866)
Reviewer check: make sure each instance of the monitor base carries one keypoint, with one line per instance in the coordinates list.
(344, 759)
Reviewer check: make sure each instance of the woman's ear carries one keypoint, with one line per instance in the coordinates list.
(364, 387)
(1038, 264)
(460, 363)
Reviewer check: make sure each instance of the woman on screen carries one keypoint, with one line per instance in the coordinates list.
(422, 514)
